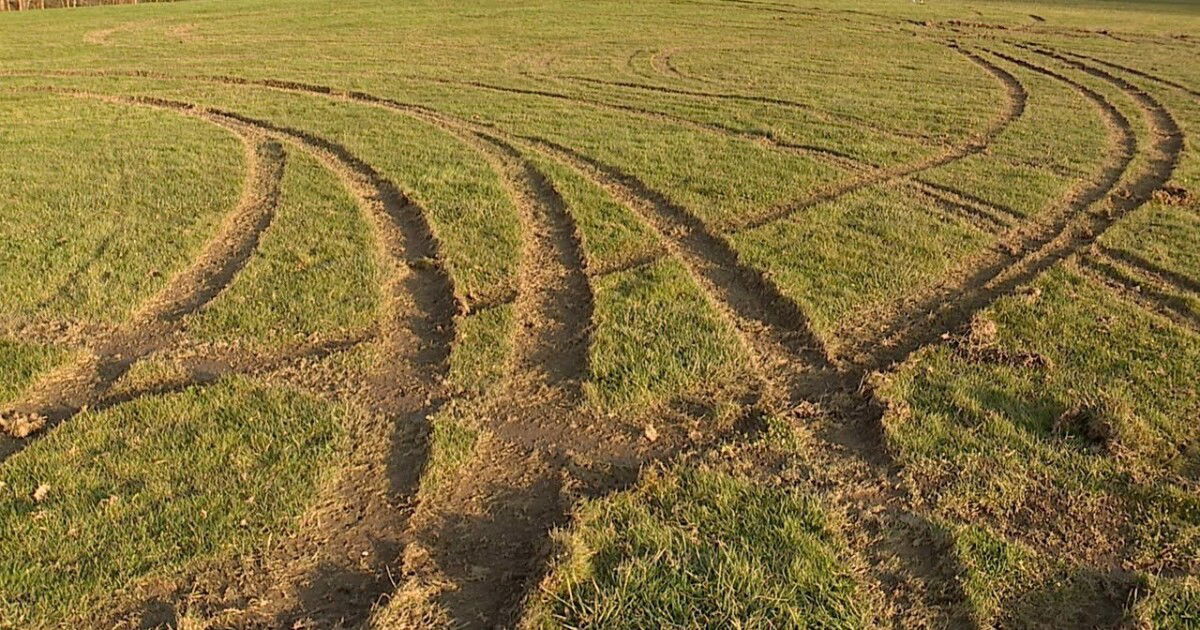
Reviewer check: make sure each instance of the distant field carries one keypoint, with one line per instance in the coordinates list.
(597, 314)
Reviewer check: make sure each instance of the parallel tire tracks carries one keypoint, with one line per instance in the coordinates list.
(66, 391)
(554, 304)
(415, 331)
(1033, 248)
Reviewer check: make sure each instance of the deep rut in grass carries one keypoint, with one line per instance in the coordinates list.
(71, 388)
(363, 524)
(334, 569)
(777, 327)
(479, 545)
(1030, 249)
(476, 550)
(554, 301)
(797, 375)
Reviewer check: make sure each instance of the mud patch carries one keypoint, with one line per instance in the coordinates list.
(982, 344)
(1174, 196)
(1093, 425)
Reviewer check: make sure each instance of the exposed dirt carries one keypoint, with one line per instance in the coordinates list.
(554, 301)
(1174, 196)
(468, 556)
(1033, 246)
(155, 325)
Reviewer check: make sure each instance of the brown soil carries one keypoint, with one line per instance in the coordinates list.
(468, 555)
(1033, 247)
(155, 325)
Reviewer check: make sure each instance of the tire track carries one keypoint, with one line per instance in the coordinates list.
(153, 327)
(319, 573)
(664, 64)
(873, 499)
(820, 114)
(551, 355)
(830, 155)
(370, 508)
(417, 322)
(1162, 274)
(554, 299)
(1012, 111)
(227, 254)
(1001, 212)
(978, 217)
(552, 241)
(1138, 73)
(716, 267)
(773, 327)
(475, 567)
(1139, 287)
(1031, 249)
(795, 371)
(779, 369)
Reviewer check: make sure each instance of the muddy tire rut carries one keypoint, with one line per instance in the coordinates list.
(469, 556)
(155, 325)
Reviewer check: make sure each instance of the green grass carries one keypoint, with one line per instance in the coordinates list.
(700, 549)
(655, 338)
(151, 486)
(612, 235)
(477, 361)
(21, 362)
(1009, 585)
(1173, 603)
(313, 271)
(865, 249)
(1067, 448)
(451, 443)
(1093, 454)
(111, 203)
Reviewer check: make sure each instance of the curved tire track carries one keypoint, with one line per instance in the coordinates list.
(308, 576)
(1138, 73)
(1014, 108)
(772, 325)
(554, 301)
(67, 390)
(1027, 247)
(825, 116)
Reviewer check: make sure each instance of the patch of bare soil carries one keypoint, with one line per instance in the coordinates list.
(1173, 196)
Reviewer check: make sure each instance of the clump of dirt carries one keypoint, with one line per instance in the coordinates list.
(970, 24)
(1091, 424)
(22, 425)
(1173, 196)
(981, 344)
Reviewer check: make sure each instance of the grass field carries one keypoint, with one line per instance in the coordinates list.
(598, 314)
